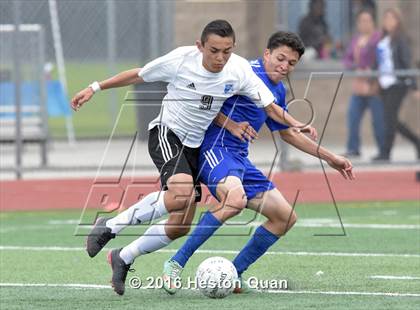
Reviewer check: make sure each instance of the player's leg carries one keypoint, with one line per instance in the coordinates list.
(156, 204)
(264, 198)
(162, 147)
(150, 208)
(176, 164)
(280, 218)
(155, 237)
(221, 172)
(161, 234)
(232, 195)
(177, 175)
(230, 191)
(227, 187)
(184, 195)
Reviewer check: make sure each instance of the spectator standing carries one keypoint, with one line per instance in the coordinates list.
(361, 56)
(393, 53)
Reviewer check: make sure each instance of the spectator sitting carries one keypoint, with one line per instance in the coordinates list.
(314, 30)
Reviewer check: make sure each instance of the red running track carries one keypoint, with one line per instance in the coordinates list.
(312, 186)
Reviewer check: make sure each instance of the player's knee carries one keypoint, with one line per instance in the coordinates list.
(239, 201)
(181, 194)
(235, 204)
(284, 222)
(292, 219)
(178, 232)
(287, 223)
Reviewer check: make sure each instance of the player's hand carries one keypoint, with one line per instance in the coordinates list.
(307, 129)
(81, 98)
(311, 131)
(243, 131)
(342, 165)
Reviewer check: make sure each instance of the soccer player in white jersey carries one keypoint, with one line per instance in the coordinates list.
(200, 79)
(232, 178)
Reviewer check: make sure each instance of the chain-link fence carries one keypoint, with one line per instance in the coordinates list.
(98, 39)
(87, 27)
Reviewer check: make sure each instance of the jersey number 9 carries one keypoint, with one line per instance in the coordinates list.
(206, 102)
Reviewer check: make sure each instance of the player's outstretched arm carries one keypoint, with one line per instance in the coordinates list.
(303, 143)
(243, 130)
(278, 114)
(121, 79)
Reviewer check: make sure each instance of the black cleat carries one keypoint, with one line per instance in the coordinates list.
(98, 237)
(119, 271)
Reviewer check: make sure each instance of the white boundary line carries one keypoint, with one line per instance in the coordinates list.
(327, 222)
(333, 224)
(365, 226)
(395, 277)
(94, 286)
(341, 254)
(345, 293)
(68, 285)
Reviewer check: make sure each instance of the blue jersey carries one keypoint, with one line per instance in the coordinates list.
(241, 109)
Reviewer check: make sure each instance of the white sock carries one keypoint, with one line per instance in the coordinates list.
(153, 239)
(151, 207)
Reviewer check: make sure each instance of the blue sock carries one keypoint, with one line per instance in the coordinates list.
(254, 249)
(205, 228)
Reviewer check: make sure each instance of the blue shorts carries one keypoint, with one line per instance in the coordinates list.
(217, 163)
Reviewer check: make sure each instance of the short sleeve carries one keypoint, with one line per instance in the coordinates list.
(274, 126)
(164, 68)
(254, 88)
(281, 101)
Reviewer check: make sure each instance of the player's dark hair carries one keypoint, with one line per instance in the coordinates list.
(285, 38)
(219, 27)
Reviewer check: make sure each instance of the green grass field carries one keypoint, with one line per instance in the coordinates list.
(323, 272)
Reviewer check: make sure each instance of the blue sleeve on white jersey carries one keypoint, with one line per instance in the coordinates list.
(280, 95)
(274, 126)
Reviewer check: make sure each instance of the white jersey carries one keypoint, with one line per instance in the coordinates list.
(195, 95)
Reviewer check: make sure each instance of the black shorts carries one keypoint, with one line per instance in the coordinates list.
(171, 157)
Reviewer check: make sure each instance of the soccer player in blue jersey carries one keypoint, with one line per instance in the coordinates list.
(234, 180)
(200, 78)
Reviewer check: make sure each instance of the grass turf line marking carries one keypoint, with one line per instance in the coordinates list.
(58, 248)
(94, 286)
(68, 285)
(345, 293)
(330, 223)
(395, 277)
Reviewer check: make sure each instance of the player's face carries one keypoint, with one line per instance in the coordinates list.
(216, 52)
(279, 62)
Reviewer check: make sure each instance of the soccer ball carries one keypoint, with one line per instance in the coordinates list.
(216, 277)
